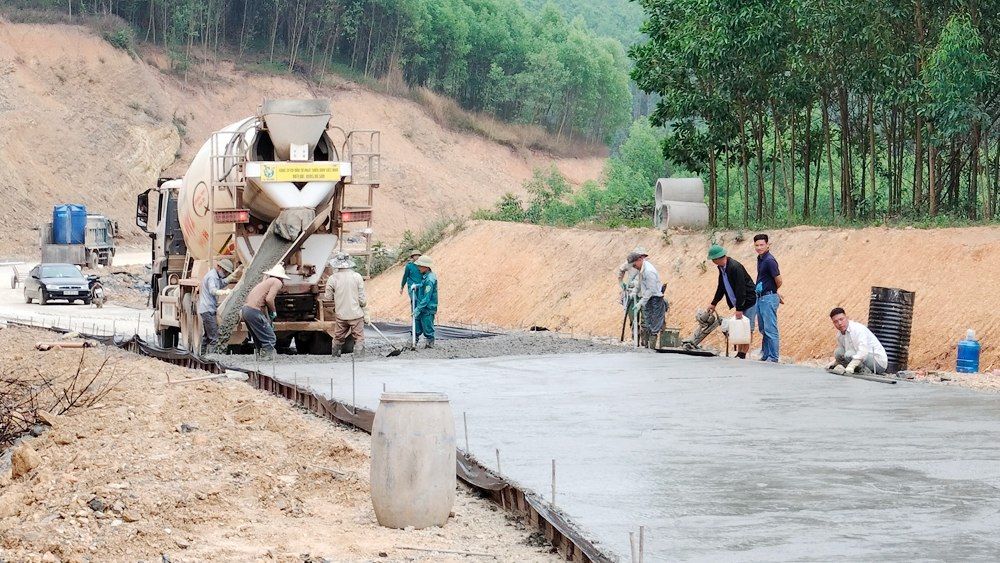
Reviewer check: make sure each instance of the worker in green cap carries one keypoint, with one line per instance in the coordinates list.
(426, 301)
(411, 275)
(736, 285)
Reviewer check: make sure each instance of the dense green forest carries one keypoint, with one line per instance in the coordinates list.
(620, 19)
(490, 55)
(825, 110)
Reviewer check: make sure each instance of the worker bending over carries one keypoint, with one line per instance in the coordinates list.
(208, 301)
(736, 285)
(654, 308)
(427, 301)
(346, 288)
(858, 350)
(259, 311)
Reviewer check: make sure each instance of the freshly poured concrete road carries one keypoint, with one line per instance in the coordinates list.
(722, 459)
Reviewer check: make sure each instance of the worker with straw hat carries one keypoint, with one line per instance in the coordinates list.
(346, 288)
(426, 301)
(259, 311)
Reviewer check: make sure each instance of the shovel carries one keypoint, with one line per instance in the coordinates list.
(395, 351)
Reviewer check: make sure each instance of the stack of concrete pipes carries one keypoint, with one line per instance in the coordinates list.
(680, 202)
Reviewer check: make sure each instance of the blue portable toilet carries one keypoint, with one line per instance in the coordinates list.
(968, 354)
(69, 224)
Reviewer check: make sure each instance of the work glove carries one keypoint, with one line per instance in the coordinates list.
(831, 364)
(852, 367)
(235, 275)
(272, 315)
(223, 293)
(368, 317)
(838, 369)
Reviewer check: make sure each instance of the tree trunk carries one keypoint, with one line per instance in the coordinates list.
(829, 152)
(918, 164)
(846, 182)
(774, 157)
(728, 166)
(805, 202)
(759, 135)
(974, 171)
(746, 171)
(931, 171)
(871, 142)
(712, 195)
(790, 191)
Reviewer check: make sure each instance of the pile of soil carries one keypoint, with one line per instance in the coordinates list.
(206, 471)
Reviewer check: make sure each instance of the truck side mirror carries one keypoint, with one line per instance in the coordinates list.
(142, 210)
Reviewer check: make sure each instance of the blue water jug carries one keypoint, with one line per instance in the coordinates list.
(968, 354)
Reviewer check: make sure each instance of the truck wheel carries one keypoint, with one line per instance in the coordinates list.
(93, 260)
(321, 345)
(168, 337)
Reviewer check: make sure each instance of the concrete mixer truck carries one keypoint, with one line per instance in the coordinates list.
(284, 186)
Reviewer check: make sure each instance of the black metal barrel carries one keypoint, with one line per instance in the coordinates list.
(890, 315)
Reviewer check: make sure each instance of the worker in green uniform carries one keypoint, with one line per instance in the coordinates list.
(411, 276)
(426, 300)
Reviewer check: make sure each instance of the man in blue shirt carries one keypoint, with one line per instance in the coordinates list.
(766, 309)
(208, 302)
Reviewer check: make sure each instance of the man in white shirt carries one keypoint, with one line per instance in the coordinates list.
(651, 301)
(346, 288)
(858, 351)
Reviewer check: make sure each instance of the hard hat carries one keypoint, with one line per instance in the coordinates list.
(226, 264)
(278, 271)
(640, 250)
(413, 253)
(716, 252)
(424, 261)
(342, 260)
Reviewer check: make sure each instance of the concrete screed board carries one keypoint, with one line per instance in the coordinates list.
(722, 459)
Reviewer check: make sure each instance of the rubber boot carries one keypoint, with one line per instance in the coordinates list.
(266, 355)
(336, 350)
(429, 344)
(359, 351)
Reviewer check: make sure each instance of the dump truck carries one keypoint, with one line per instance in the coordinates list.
(96, 248)
(284, 186)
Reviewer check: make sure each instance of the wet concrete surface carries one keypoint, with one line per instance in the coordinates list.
(721, 459)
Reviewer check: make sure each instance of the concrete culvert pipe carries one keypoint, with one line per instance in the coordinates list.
(690, 190)
(683, 214)
(413, 460)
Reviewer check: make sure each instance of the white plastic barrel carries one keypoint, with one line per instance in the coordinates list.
(413, 460)
(739, 330)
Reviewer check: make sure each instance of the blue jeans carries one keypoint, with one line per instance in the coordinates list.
(766, 311)
(260, 327)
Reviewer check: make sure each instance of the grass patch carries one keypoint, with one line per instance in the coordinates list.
(385, 257)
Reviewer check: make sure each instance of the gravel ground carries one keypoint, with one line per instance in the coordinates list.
(520, 343)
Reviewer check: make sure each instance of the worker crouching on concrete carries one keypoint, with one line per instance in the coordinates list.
(858, 350)
(427, 301)
(651, 301)
(736, 285)
(259, 311)
(208, 302)
(346, 288)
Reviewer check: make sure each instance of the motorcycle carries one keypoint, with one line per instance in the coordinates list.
(96, 290)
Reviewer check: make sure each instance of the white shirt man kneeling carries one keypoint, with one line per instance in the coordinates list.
(858, 350)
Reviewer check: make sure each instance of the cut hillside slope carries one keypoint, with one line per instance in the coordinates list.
(518, 275)
(85, 123)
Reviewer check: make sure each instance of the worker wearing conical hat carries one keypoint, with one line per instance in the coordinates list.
(259, 311)
(346, 288)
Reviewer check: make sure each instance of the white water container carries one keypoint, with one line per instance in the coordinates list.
(413, 460)
(739, 330)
